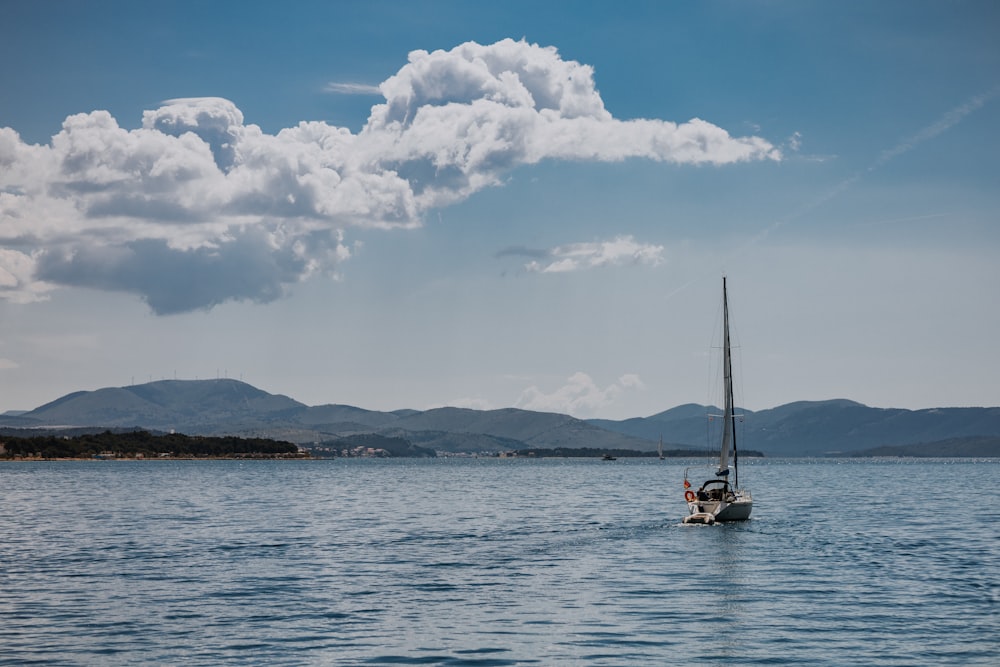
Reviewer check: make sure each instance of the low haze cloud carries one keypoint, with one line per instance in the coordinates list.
(580, 256)
(197, 207)
(347, 88)
(580, 396)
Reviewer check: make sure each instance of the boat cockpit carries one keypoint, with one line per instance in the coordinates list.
(714, 489)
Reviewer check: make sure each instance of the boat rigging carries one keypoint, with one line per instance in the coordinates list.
(717, 500)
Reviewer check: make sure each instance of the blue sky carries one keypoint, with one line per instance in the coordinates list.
(396, 204)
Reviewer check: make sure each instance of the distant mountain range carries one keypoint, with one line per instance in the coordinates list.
(820, 428)
(231, 407)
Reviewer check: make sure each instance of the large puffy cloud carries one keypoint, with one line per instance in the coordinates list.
(197, 207)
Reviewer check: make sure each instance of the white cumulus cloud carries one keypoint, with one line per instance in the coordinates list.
(198, 207)
(17, 282)
(580, 396)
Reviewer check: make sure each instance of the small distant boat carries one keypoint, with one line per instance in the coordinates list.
(660, 449)
(608, 457)
(717, 500)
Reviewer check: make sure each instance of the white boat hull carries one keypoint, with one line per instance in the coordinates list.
(721, 511)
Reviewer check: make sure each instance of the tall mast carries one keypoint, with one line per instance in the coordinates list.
(729, 418)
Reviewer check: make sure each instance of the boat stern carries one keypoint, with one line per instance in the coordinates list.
(709, 512)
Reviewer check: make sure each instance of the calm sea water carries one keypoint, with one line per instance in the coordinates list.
(495, 562)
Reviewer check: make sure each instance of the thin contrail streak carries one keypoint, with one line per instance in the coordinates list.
(945, 123)
(941, 125)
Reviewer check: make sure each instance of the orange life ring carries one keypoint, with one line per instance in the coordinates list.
(689, 495)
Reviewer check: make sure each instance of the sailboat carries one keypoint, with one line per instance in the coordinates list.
(718, 500)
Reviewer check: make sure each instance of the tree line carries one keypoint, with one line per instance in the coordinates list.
(135, 444)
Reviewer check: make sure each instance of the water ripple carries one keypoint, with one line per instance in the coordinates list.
(492, 563)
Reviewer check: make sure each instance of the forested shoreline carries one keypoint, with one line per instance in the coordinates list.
(142, 445)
